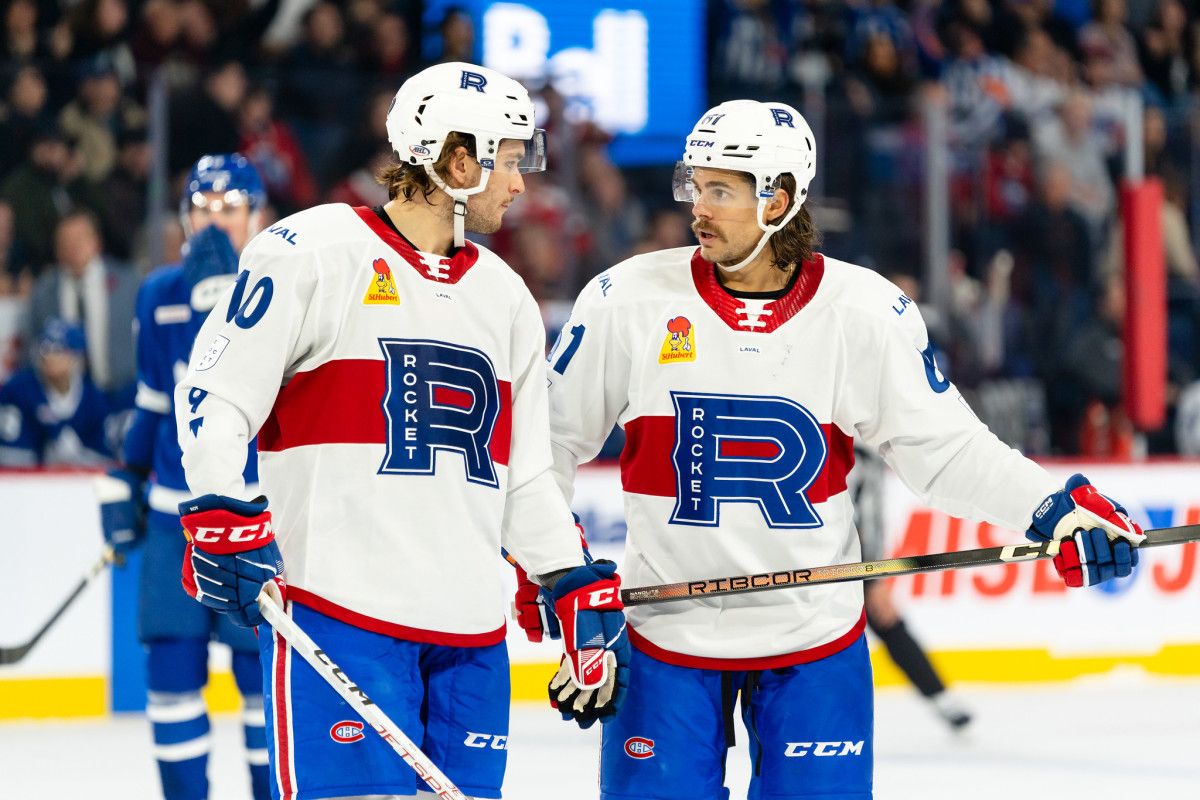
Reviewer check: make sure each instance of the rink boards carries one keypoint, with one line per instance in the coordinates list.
(999, 624)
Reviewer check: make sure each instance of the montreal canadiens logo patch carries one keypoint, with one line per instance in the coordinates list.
(346, 732)
(639, 747)
(680, 344)
(382, 289)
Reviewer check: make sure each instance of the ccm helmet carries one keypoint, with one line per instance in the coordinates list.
(764, 140)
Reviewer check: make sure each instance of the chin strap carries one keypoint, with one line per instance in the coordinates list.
(768, 230)
(459, 196)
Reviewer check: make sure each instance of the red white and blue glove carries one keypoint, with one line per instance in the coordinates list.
(594, 674)
(533, 605)
(231, 553)
(1097, 539)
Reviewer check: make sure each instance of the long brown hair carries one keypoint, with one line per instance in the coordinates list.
(796, 241)
(402, 179)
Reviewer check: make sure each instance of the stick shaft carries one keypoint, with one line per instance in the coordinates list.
(269, 602)
(866, 570)
(11, 655)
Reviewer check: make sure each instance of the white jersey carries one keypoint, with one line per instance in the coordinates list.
(400, 404)
(739, 416)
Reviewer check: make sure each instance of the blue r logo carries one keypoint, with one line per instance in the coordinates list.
(782, 117)
(440, 397)
(743, 449)
(472, 80)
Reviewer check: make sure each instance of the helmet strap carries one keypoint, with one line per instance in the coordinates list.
(459, 197)
(767, 230)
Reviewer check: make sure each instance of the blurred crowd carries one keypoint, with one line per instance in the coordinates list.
(1033, 93)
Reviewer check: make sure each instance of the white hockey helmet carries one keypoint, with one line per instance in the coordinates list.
(764, 140)
(472, 100)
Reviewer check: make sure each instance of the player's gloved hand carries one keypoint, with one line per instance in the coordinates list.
(231, 553)
(533, 604)
(532, 609)
(209, 252)
(594, 674)
(1097, 538)
(122, 508)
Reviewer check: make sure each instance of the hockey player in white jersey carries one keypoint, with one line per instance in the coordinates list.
(394, 374)
(740, 371)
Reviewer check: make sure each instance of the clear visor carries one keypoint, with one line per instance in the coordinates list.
(719, 188)
(216, 202)
(518, 155)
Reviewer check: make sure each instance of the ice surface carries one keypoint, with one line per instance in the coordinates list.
(1115, 738)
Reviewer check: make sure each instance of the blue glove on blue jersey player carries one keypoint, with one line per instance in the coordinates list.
(1097, 539)
(231, 553)
(122, 497)
(594, 674)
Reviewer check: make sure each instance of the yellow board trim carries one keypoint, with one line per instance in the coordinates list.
(87, 696)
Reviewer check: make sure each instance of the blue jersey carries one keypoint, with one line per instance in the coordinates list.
(37, 428)
(172, 304)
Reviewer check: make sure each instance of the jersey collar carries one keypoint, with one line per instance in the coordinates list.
(449, 269)
(751, 315)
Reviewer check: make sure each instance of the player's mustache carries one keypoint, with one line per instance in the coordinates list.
(697, 228)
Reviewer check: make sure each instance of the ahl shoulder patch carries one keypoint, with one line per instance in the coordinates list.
(382, 289)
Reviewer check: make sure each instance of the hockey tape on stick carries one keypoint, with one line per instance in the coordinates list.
(866, 570)
(270, 603)
(11, 655)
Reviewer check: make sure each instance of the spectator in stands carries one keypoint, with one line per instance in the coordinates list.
(748, 48)
(615, 218)
(977, 84)
(51, 414)
(24, 112)
(457, 33)
(1109, 50)
(390, 50)
(361, 187)
(1163, 51)
(1070, 141)
(156, 37)
(95, 292)
(97, 116)
(41, 189)
(22, 42)
(272, 147)
(124, 193)
(319, 88)
(204, 119)
(101, 28)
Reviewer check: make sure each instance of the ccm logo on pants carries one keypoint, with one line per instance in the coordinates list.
(800, 749)
(482, 739)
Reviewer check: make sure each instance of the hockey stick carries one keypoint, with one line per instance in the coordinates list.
(11, 655)
(840, 573)
(270, 603)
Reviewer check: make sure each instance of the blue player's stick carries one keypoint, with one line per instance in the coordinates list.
(11, 655)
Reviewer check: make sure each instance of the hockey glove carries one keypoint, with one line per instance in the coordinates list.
(1097, 538)
(231, 553)
(594, 673)
(533, 604)
(122, 508)
(532, 609)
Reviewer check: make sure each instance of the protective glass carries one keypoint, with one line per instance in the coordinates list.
(717, 188)
(534, 159)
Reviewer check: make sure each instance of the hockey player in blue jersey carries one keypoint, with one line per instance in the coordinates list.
(51, 414)
(220, 210)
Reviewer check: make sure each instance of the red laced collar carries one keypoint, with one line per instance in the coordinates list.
(756, 316)
(449, 269)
